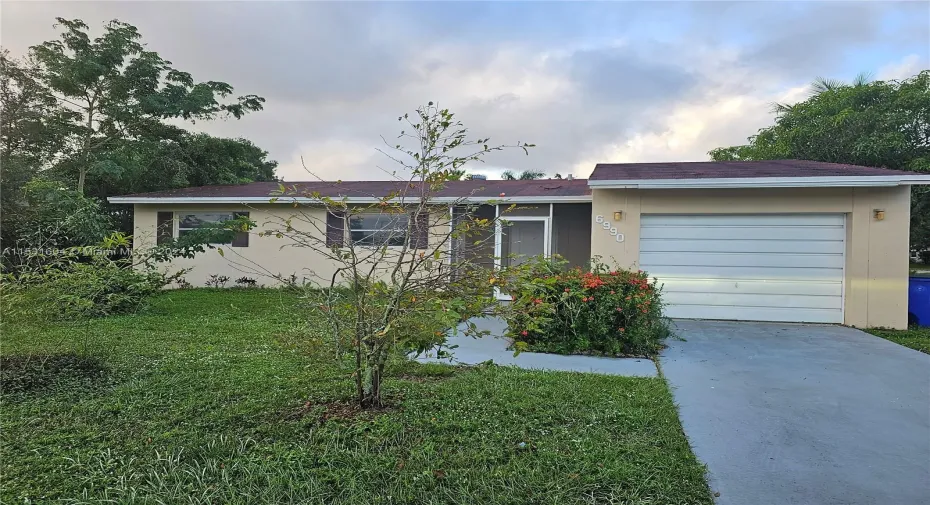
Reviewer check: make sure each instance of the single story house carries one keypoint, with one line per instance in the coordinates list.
(785, 240)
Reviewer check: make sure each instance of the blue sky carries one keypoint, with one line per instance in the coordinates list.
(587, 82)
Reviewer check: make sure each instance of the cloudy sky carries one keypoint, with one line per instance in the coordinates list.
(586, 82)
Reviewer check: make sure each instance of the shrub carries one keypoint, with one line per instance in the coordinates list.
(72, 285)
(217, 281)
(567, 311)
(246, 282)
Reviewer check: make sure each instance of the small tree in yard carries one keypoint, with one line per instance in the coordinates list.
(407, 268)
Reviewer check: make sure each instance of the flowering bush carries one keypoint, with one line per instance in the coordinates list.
(568, 311)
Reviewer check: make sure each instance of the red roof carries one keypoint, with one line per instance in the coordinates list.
(733, 170)
(379, 189)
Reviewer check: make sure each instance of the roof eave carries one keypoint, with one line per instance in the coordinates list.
(762, 182)
(361, 200)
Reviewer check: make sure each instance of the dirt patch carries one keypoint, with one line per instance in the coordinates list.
(41, 373)
(336, 411)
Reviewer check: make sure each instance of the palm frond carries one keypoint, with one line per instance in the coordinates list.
(824, 84)
(863, 78)
(780, 108)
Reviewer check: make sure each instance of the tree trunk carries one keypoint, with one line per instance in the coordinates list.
(82, 170)
(372, 397)
(359, 383)
(373, 377)
(82, 174)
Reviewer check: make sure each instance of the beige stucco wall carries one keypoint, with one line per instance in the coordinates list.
(876, 251)
(264, 257)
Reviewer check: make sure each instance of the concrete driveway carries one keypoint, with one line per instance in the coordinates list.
(805, 414)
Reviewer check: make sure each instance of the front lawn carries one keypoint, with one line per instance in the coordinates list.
(211, 396)
(915, 338)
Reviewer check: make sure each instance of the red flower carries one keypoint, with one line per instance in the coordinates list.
(584, 299)
(613, 292)
(524, 333)
(628, 298)
(622, 330)
(619, 309)
(567, 290)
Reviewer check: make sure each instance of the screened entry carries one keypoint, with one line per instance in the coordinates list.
(528, 231)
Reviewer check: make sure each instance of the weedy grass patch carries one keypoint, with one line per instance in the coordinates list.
(212, 396)
(917, 338)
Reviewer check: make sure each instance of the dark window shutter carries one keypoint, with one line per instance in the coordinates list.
(242, 238)
(420, 237)
(335, 228)
(164, 228)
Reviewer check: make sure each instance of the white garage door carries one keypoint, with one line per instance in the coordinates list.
(748, 267)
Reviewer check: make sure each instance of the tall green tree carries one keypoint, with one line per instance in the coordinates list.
(881, 124)
(34, 129)
(190, 160)
(91, 118)
(122, 92)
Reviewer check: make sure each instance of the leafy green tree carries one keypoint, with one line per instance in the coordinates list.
(191, 160)
(526, 175)
(409, 283)
(33, 129)
(121, 92)
(101, 116)
(54, 217)
(881, 123)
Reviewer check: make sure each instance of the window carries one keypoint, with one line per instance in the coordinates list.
(187, 223)
(379, 229)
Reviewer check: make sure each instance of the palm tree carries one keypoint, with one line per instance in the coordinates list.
(526, 175)
(824, 85)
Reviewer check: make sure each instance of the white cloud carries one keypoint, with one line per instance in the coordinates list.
(328, 159)
(587, 83)
(723, 115)
(906, 67)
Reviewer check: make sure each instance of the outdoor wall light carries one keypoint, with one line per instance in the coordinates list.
(618, 216)
(879, 214)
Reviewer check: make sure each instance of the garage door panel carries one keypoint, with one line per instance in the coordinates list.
(751, 220)
(757, 300)
(744, 232)
(744, 246)
(755, 313)
(775, 260)
(732, 273)
(751, 286)
(768, 267)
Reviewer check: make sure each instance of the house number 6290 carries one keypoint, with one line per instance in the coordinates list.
(610, 229)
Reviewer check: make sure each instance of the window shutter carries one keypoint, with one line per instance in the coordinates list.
(242, 238)
(419, 238)
(164, 228)
(335, 228)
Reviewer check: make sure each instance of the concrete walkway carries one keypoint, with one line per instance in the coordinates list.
(493, 347)
(803, 414)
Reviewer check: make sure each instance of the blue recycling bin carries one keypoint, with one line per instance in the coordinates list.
(918, 300)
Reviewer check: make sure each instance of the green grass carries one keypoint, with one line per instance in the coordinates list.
(212, 396)
(920, 270)
(915, 338)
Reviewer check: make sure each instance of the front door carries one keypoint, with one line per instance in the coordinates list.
(520, 239)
